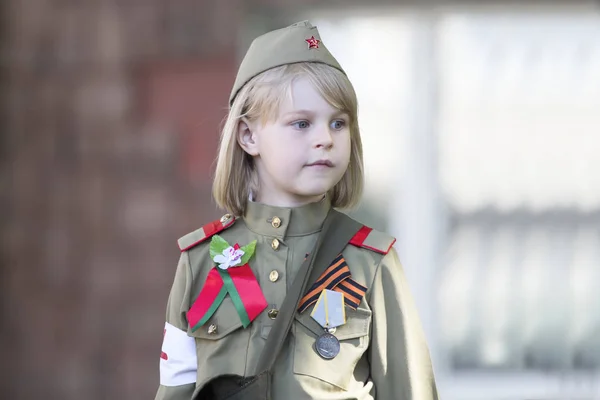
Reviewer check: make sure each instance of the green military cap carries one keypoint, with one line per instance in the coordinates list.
(296, 43)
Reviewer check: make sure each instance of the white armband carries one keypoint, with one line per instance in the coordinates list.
(178, 359)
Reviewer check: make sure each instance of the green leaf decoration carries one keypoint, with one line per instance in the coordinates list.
(248, 252)
(217, 246)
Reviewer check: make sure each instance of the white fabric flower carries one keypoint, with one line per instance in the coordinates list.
(230, 257)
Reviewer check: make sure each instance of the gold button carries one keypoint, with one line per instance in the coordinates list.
(275, 244)
(225, 218)
(276, 222)
(212, 329)
(273, 313)
(273, 276)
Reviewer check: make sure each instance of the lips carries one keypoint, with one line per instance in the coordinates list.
(324, 163)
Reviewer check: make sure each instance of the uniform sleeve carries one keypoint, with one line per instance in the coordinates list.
(398, 354)
(178, 362)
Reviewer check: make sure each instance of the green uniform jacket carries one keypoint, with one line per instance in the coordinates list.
(383, 352)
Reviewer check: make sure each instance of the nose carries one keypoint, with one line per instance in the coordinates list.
(324, 139)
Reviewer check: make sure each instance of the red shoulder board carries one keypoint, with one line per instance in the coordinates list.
(368, 238)
(200, 235)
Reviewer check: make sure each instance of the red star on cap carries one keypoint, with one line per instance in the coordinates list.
(313, 43)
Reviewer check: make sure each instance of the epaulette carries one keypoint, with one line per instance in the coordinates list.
(368, 238)
(198, 236)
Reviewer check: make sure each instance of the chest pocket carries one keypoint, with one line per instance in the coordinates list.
(221, 344)
(354, 340)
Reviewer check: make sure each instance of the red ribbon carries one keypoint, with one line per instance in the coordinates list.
(243, 288)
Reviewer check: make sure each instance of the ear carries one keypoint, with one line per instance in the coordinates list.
(247, 138)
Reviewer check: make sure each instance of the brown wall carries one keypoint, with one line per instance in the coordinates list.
(112, 113)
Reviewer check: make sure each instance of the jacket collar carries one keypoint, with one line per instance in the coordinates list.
(282, 221)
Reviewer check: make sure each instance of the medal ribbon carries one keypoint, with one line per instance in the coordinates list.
(326, 311)
(242, 286)
(336, 277)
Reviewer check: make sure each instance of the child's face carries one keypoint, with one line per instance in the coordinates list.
(303, 152)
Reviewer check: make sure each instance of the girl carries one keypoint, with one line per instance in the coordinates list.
(290, 151)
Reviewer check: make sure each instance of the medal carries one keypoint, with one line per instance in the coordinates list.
(329, 312)
(328, 346)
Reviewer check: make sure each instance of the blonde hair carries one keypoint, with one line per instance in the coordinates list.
(260, 98)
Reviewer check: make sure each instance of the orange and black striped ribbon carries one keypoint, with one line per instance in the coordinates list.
(336, 277)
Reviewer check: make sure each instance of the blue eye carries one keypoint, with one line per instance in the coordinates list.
(338, 124)
(301, 124)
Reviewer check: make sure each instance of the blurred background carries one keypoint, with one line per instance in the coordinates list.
(481, 128)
